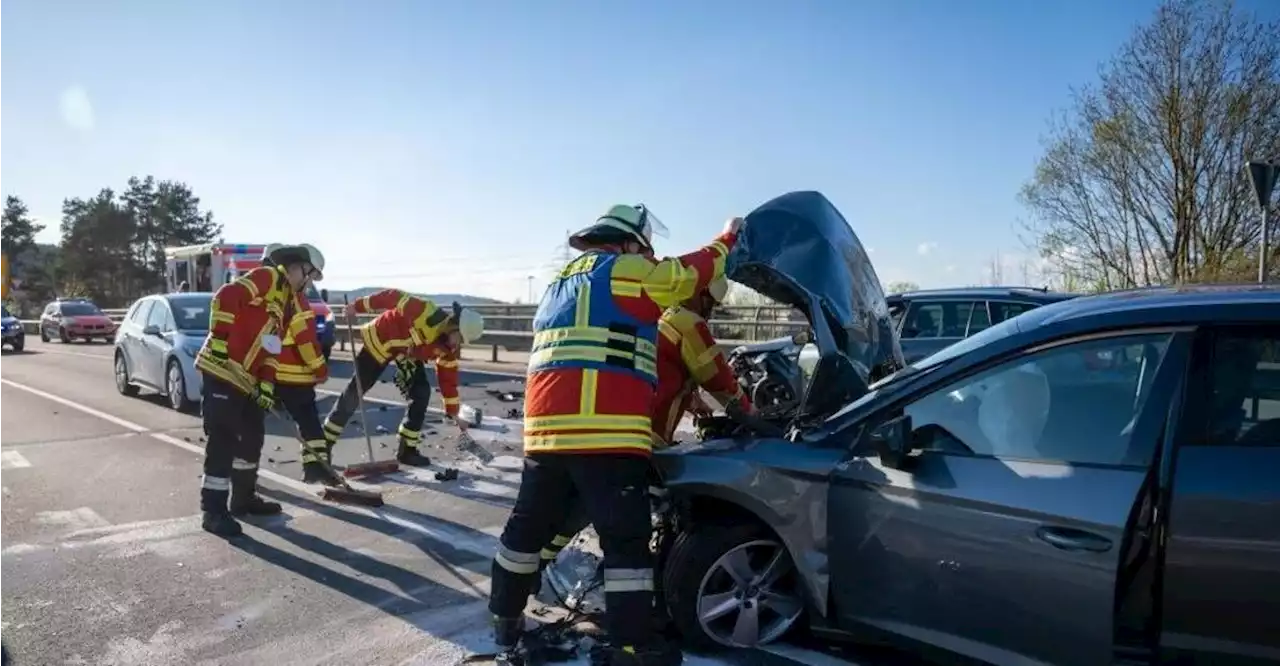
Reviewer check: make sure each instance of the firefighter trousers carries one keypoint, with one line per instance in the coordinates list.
(234, 434)
(299, 400)
(367, 372)
(614, 491)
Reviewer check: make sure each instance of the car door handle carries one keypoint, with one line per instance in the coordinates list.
(1066, 538)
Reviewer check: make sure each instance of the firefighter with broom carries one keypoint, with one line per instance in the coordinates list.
(410, 331)
(688, 359)
(238, 368)
(300, 367)
(591, 383)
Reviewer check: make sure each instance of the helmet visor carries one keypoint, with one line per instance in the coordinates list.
(656, 227)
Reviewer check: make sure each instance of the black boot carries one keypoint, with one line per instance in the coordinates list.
(409, 455)
(506, 636)
(244, 495)
(220, 523)
(314, 472)
(654, 654)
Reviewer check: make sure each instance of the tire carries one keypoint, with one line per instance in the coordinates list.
(62, 335)
(695, 571)
(44, 334)
(175, 387)
(19, 343)
(122, 377)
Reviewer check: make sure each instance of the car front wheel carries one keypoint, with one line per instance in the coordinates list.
(176, 387)
(122, 377)
(19, 343)
(732, 586)
(44, 334)
(62, 335)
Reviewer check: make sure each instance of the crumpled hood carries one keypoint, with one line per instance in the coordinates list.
(799, 250)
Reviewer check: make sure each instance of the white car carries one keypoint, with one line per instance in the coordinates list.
(156, 347)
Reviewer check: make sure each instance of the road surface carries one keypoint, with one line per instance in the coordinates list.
(106, 562)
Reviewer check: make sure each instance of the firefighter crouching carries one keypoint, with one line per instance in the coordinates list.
(410, 331)
(301, 367)
(591, 382)
(688, 358)
(238, 363)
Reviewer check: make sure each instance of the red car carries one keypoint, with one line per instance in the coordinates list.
(70, 318)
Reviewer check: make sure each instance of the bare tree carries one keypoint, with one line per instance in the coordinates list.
(1142, 181)
(901, 287)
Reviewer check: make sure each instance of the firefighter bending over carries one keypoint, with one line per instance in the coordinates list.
(300, 368)
(688, 358)
(592, 377)
(411, 331)
(238, 364)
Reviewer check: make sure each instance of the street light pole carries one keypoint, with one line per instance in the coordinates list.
(530, 289)
(1264, 175)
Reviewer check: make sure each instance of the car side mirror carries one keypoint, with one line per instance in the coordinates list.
(802, 337)
(892, 441)
(151, 329)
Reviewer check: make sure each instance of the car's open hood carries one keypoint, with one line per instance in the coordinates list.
(799, 250)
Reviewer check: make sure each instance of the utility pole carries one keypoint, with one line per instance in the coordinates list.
(530, 289)
(1264, 176)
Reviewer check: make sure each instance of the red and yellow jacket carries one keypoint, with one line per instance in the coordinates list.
(301, 361)
(688, 358)
(242, 312)
(575, 402)
(410, 327)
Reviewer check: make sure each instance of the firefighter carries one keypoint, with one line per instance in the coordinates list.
(591, 382)
(411, 331)
(238, 366)
(688, 359)
(300, 367)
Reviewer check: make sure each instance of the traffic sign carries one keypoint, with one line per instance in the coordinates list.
(1264, 176)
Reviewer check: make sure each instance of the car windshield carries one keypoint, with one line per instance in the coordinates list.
(80, 309)
(312, 293)
(191, 313)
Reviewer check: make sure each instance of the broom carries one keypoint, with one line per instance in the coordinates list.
(371, 468)
(343, 493)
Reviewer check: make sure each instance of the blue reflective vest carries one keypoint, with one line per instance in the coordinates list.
(578, 324)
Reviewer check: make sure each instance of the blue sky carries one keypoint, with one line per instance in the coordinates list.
(448, 146)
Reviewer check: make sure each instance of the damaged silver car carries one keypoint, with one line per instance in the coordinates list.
(1092, 482)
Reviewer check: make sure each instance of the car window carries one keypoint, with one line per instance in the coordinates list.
(896, 310)
(192, 312)
(980, 319)
(1072, 403)
(140, 312)
(158, 316)
(1002, 310)
(937, 319)
(1244, 390)
(80, 309)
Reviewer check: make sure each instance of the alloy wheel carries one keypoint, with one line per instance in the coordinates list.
(749, 596)
(122, 374)
(176, 387)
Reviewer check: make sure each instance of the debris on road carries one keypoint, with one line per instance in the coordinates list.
(381, 430)
(506, 396)
(447, 474)
(468, 444)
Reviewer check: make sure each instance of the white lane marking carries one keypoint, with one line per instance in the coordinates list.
(13, 460)
(460, 538)
(106, 357)
(77, 519)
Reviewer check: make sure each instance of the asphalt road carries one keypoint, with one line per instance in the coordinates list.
(107, 563)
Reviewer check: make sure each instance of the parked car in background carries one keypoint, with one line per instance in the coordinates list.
(930, 320)
(1091, 482)
(13, 333)
(75, 318)
(157, 343)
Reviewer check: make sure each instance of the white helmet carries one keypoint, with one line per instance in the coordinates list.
(636, 221)
(470, 323)
(268, 252)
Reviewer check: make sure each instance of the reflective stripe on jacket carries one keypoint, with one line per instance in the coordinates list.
(241, 314)
(582, 401)
(301, 361)
(406, 321)
(688, 358)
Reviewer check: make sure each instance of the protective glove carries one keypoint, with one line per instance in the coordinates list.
(217, 349)
(265, 396)
(405, 373)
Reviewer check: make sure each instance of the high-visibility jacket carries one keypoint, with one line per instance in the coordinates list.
(688, 358)
(446, 360)
(301, 361)
(406, 322)
(242, 313)
(593, 368)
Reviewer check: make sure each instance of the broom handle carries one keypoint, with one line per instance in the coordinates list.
(355, 372)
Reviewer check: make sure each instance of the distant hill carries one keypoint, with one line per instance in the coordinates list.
(335, 297)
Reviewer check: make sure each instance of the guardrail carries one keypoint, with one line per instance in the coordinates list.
(510, 327)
